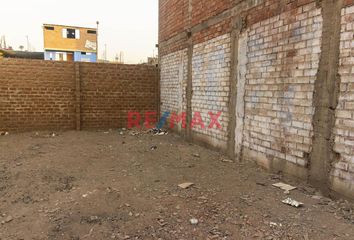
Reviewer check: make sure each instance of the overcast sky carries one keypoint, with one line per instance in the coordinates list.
(125, 25)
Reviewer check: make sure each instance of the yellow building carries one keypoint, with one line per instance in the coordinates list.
(69, 43)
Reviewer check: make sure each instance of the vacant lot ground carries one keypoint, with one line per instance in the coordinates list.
(118, 185)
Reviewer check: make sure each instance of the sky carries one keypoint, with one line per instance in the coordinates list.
(130, 26)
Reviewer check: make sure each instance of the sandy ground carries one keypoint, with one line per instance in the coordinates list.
(97, 185)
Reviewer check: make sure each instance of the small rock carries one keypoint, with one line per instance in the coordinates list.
(227, 160)
(194, 221)
(185, 185)
(8, 219)
(317, 197)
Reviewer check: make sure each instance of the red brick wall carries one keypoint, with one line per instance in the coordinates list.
(36, 95)
(348, 2)
(204, 9)
(271, 8)
(109, 91)
(173, 18)
(40, 95)
(213, 31)
(176, 19)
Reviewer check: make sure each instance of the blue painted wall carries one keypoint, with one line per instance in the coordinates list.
(78, 56)
(89, 57)
(49, 55)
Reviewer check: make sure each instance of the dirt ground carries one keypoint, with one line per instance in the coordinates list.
(118, 185)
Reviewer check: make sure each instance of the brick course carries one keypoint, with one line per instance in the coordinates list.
(41, 95)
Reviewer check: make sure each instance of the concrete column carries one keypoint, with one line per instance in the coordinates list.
(326, 96)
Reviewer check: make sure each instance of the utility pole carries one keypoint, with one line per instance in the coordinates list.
(97, 23)
(28, 44)
(105, 52)
(3, 42)
(121, 57)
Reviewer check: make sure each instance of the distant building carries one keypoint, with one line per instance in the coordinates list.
(21, 54)
(152, 61)
(67, 43)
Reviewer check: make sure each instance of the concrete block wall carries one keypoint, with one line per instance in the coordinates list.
(43, 95)
(276, 70)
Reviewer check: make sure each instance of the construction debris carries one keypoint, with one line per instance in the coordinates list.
(134, 133)
(286, 187)
(158, 132)
(292, 202)
(186, 185)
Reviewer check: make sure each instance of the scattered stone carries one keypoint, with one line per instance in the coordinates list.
(292, 202)
(8, 219)
(196, 155)
(317, 197)
(4, 133)
(194, 221)
(158, 132)
(153, 148)
(186, 185)
(227, 160)
(134, 133)
(273, 224)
